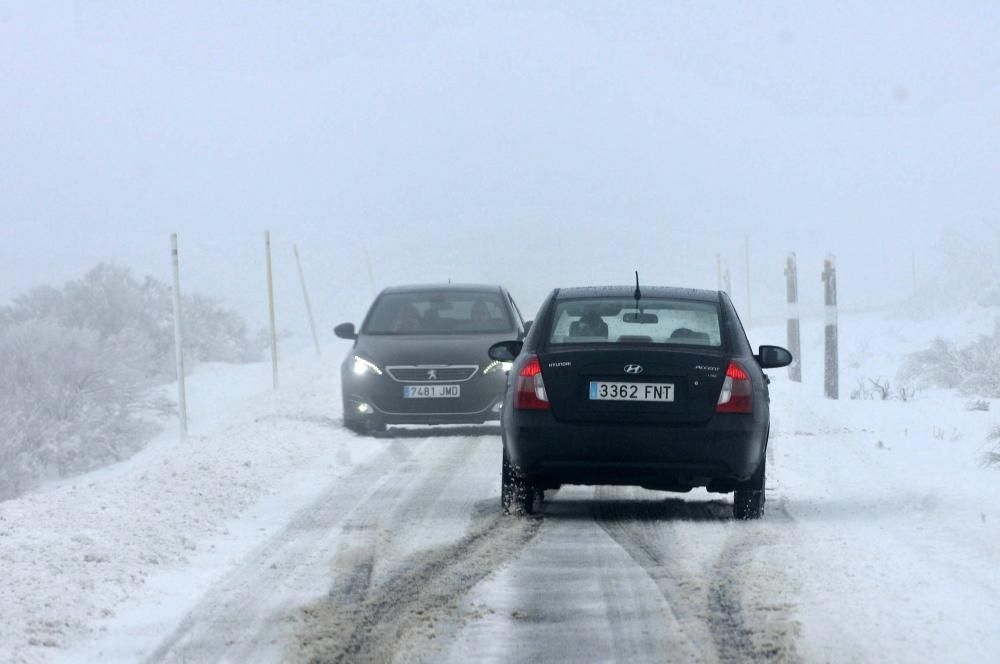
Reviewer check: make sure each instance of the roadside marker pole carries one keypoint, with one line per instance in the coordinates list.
(305, 294)
(831, 381)
(749, 314)
(718, 270)
(727, 284)
(794, 341)
(178, 342)
(371, 276)
(270, 305)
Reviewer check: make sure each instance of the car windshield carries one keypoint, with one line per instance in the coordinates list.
(620, 320)
(439, 312)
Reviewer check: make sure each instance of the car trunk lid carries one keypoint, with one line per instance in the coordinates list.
(690, 378)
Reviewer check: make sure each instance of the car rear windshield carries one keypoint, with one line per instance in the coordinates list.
(439, 312)
(620, 320)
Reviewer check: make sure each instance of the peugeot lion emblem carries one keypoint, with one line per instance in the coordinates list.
(432, 374)
(633, 368)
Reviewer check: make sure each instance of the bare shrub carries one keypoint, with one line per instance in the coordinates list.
(972, 369)
(67, 403)
(110, 301)
(77, 366)
(879, 389)
(861, 391)
(993, 457)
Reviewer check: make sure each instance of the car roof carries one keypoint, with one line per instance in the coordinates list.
(419, 288)
(647, 291)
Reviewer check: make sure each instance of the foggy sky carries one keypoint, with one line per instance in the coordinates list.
(509, 143)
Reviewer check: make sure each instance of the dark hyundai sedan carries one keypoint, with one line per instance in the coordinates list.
(656, 388)
(420, 357)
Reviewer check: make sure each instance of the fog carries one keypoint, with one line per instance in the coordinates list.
(534, 147)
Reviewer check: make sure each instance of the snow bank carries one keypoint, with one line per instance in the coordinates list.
(76, 550)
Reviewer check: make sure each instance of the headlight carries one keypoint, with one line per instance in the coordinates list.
(497, 365)
(363, 366)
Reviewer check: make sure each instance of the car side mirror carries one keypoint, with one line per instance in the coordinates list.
(345, 331)
(773, 357)
(505, 351)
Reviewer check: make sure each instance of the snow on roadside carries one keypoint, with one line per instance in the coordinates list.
(75, 551)
(891, 553)
(895, 515)
(896, 527)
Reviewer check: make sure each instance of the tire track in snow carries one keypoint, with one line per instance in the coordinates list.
(236, 618)
(747, 624)
(635, 526)
(713, 616)
(398, 617)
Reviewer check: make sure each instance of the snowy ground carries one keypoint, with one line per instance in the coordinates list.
(273, 533)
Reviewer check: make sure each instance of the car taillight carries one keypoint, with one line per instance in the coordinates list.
(737, 391)
(530, 393)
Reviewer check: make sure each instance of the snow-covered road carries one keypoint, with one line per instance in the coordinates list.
(278, 535)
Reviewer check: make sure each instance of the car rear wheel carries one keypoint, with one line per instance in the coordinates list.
(517, 495)
(748, 501)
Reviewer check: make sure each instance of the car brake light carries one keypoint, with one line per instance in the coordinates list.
(737, 391)
(530, 392)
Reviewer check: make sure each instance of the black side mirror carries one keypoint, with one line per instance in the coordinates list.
(505, 351)
(773, 357)
(345, 331)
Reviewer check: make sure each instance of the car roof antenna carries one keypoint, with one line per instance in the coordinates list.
(638, 293)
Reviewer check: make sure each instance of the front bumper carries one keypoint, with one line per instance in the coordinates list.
(718, 455)
(380, 399)
(353, 410)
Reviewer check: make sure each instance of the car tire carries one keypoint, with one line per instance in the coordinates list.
(748, 500)
(517, 495)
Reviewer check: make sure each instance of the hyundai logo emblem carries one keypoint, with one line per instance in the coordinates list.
(633, 368)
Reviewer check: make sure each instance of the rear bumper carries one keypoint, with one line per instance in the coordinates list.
(722, 453)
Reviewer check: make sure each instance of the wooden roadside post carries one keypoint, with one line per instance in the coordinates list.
(831, 382)
(794, 341)
(305, 294)
(746, 239)
(270, 307)
(178, 338)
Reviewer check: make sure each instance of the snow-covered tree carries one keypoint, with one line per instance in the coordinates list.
(78, 364)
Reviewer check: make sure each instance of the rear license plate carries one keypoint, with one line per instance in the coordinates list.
(607, 391)
(431, 391)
